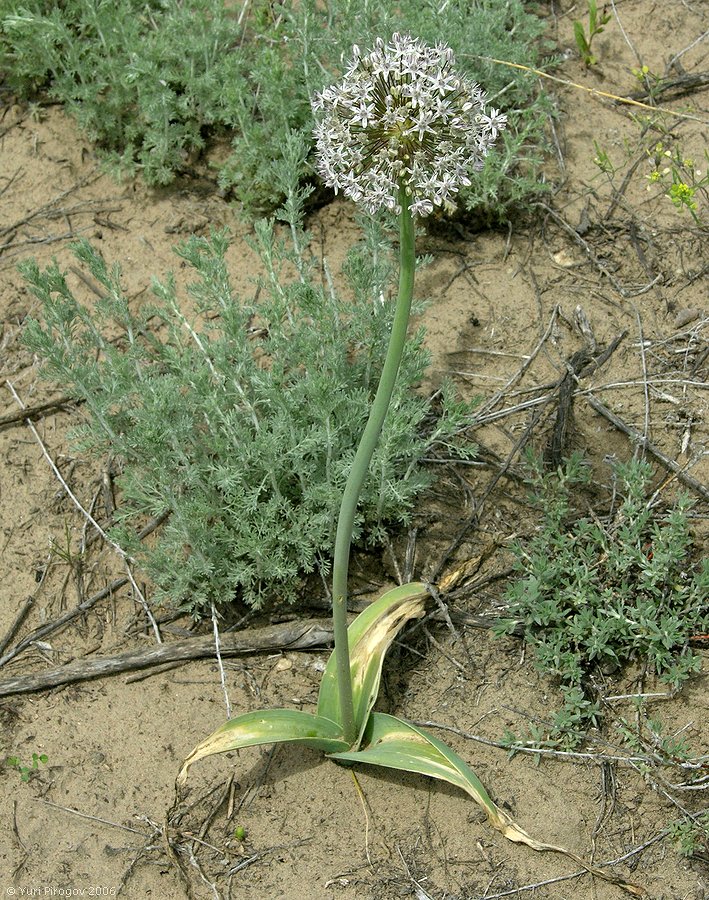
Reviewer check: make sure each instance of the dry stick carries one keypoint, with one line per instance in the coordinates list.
(51, 627)
(607, 864)
(157, 670)
(220, 664)
(620, 192)
(121, 552)
(221, 800)
(593, 91)
(75, 812)
(519, 407)
(580, 365)
(442, 608)
(532, 887)
(89, 282)
(173, 855)
(51, 239)
(308, 634)
(31, 412)
(15, 627)
(570, 230)
(475, 515)
(672, 64)
(303, 635)
(542, 402)
(608, 799)
(648, 447)
(625, 36)
(56, 624)
(12, 177)
(140, 852)
(194, 862)
(634, 762)
(444, 653)
(50, 207)
(646, 388)
(23, 851)
(563, 755)
(495, 399)
(556, 445)
(250, 860)
(410, 557)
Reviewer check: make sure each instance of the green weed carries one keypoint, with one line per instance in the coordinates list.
(691, 835)
(598, 594)
(678, 177)
(648, 80)
(14, 762)
(595, 26)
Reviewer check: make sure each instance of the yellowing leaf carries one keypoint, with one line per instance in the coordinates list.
(396, 744)
(369, 637)
(268, 726)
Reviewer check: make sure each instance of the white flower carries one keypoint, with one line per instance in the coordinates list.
(403, 117)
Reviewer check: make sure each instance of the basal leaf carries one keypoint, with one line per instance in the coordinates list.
(268, 726)
(395, 744)
(370, 636)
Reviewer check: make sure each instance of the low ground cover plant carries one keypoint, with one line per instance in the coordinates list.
(26, 771)
(152, 100)
(595, 594)
(681, 178)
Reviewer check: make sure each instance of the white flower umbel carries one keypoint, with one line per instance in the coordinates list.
(403, 118)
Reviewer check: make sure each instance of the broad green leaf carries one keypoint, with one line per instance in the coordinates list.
(369, 637)
(395, 744)
(268, 726)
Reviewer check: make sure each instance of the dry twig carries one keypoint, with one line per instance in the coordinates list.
(87, 515)
(302, 635)
(648, 447)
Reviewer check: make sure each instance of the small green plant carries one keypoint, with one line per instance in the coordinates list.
(596, 26)
(650, 82)
(14, 762)
(154, 102)
(403, 131)
(678, 177)
(603, 161)
(675, 173)
(648, 735)
(600, 595)
(691, 835)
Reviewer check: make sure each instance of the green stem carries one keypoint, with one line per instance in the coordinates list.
(363, 457)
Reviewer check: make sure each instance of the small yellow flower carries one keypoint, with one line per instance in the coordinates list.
(682, 194)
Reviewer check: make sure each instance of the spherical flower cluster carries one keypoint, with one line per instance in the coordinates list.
(402, 117)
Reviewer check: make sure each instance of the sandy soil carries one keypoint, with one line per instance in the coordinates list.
(96, 819)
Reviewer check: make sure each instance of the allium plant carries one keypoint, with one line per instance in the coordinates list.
(403, 132)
